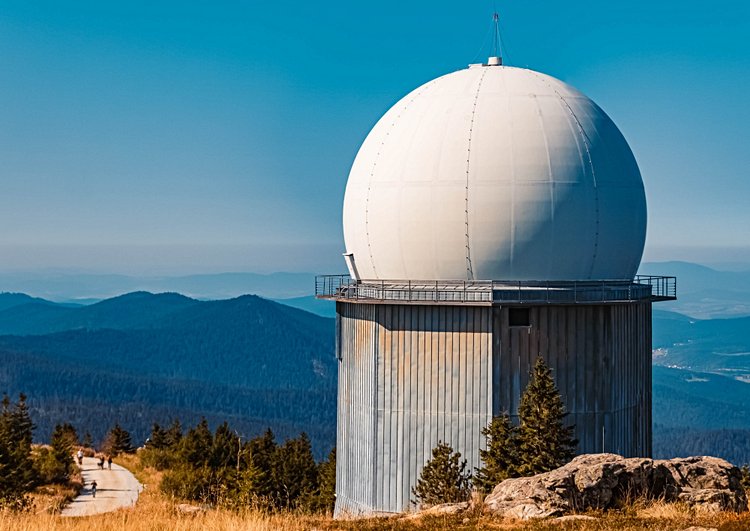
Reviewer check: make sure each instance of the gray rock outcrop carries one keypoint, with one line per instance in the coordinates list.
(602, 481)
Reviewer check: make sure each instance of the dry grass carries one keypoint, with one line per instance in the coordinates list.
(52, 498)
(155, 512)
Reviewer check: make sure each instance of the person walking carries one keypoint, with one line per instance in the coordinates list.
(79, 455)
(109, 462)
(93, 489)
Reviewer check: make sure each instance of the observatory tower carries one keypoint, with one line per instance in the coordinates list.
(493, 215)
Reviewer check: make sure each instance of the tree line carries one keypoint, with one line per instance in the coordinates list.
(22, 467)
(223, 468)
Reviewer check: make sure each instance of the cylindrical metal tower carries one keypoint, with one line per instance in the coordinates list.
(503, 174)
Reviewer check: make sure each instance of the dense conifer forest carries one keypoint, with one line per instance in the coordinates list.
(141, 358)
(256, 364)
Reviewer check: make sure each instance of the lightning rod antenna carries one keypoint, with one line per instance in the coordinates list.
(497, 54)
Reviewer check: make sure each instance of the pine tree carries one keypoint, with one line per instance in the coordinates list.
(443, 479)
(500, 459)
(69, 433)
(224, 448)
(158, 438)
(262, 454)
(88, 440)
(545, 443)
(118, 442)
(63, 441)
(195, 446)
(297, 479)
(173, 435)
(327, 483)
(17, 472)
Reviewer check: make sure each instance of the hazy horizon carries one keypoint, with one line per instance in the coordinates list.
(317, 259)
(147, 138)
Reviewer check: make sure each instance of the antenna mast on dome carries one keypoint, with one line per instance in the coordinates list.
(496, 59)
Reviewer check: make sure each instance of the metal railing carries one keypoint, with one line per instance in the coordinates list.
(342, 287)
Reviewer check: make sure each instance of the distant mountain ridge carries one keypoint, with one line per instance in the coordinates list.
(130, 311)
(82, 287)
(10, 300)
(143, 357)
(703, 292)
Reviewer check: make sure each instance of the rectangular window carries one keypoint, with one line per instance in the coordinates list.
(519, 317)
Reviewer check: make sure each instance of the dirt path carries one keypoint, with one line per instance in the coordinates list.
(115, 488)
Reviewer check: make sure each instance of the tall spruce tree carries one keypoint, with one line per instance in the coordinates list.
(195, 447)
(63, 441)
(263, 457)
(173, 434)
(297, 474)
(118, 441)
(158, 438)
(17, 472)
(544, 442)
(444, 478)
(67, 431)
(500, 459)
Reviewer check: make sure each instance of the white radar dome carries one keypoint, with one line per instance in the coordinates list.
(495, 173)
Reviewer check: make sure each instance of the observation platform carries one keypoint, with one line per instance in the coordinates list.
(495, 292)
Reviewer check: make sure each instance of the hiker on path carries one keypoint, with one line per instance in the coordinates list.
(93, 489)
(79, 455)
(109, 462)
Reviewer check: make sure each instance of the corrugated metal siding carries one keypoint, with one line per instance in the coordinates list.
(600, 357)
(356, 408)
(413, 375)
(421, 375)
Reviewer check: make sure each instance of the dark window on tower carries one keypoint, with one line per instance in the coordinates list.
(519, 317)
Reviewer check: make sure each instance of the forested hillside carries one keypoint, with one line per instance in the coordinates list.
(141, 358)
(701, 380)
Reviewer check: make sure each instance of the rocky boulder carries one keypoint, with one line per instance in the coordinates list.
(603, 481)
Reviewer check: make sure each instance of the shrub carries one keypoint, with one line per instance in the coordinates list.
(443, 479)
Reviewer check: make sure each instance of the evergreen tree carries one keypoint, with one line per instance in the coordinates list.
(297, 480)
(262, 458)
(158, 438)
(443, 479)
(545, 443)
(173, 434)
(88, 440)
(500, 459)
(327, 483)
(69, 433)
(225, 448)
(63, 442)
(195, 446)
(118, 442)
(17, 472)
(158, 453)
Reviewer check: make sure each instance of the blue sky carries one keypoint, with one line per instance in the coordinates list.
(176, 137)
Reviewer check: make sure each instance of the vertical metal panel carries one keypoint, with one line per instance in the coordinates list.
(413, 375)
(424, 363)
(600, 358)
